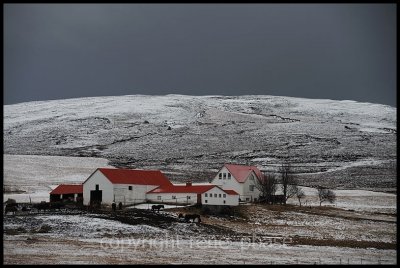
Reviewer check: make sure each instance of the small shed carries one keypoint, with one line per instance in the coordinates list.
(67, 192)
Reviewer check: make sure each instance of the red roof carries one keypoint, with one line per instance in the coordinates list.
(198, 189)
(135, 176)
(231, 192)
(241, 172)
(68, 189)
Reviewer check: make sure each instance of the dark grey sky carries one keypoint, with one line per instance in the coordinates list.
(334, 51)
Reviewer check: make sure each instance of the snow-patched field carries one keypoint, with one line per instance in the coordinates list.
(37, 176)
(346, 144)
(169, 250)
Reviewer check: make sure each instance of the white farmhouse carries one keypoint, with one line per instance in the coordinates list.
(240, 178)
(194, 194)
(129, 186)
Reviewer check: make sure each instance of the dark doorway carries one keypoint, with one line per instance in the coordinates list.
(198, 198)
(96, 196)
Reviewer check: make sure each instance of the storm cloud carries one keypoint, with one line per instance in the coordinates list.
(333, 51)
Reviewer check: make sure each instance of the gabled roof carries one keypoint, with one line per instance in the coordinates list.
(68, 189)
(135, 176)
(241, 172)
(198, 189)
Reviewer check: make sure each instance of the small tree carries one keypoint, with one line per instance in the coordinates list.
(300, 194)
(289, 182)
(326, 195)
(267, 186)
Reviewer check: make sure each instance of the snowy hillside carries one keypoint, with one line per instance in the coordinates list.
(345, 144)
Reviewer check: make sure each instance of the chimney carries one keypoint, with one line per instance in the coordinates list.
(189, 183)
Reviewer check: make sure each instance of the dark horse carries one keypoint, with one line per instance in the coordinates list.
(157, 207)
(13, 207)
(189, 217)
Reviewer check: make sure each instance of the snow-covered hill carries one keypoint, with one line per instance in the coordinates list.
(345, 144)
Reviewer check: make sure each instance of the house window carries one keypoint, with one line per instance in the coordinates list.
(206, 195)
(159, 197)
(130, 188)
(173, 197)
(215, 195)
(224, 202)
(251, 188)
(97, 187)
(229, 176)
(219, 195)
(205, 201)
(224, 176)
(188, 197)
(252, 177)
(224, 195)
(247, 199)
(220, 175)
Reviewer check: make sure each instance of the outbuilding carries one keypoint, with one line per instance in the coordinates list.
(67, 192)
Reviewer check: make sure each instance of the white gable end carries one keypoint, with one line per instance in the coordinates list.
(227, 181)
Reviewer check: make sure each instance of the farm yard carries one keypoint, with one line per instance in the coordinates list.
(360, 227)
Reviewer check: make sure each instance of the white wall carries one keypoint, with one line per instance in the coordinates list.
(134, 196)
(104, 184)
(230, 200)
(167, 197)
(246, 193)
(227, 184)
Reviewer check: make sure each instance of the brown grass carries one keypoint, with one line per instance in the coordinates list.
(343, 243)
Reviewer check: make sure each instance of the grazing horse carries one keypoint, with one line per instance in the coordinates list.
(11, 208)
(192, 217)
(154, 207)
